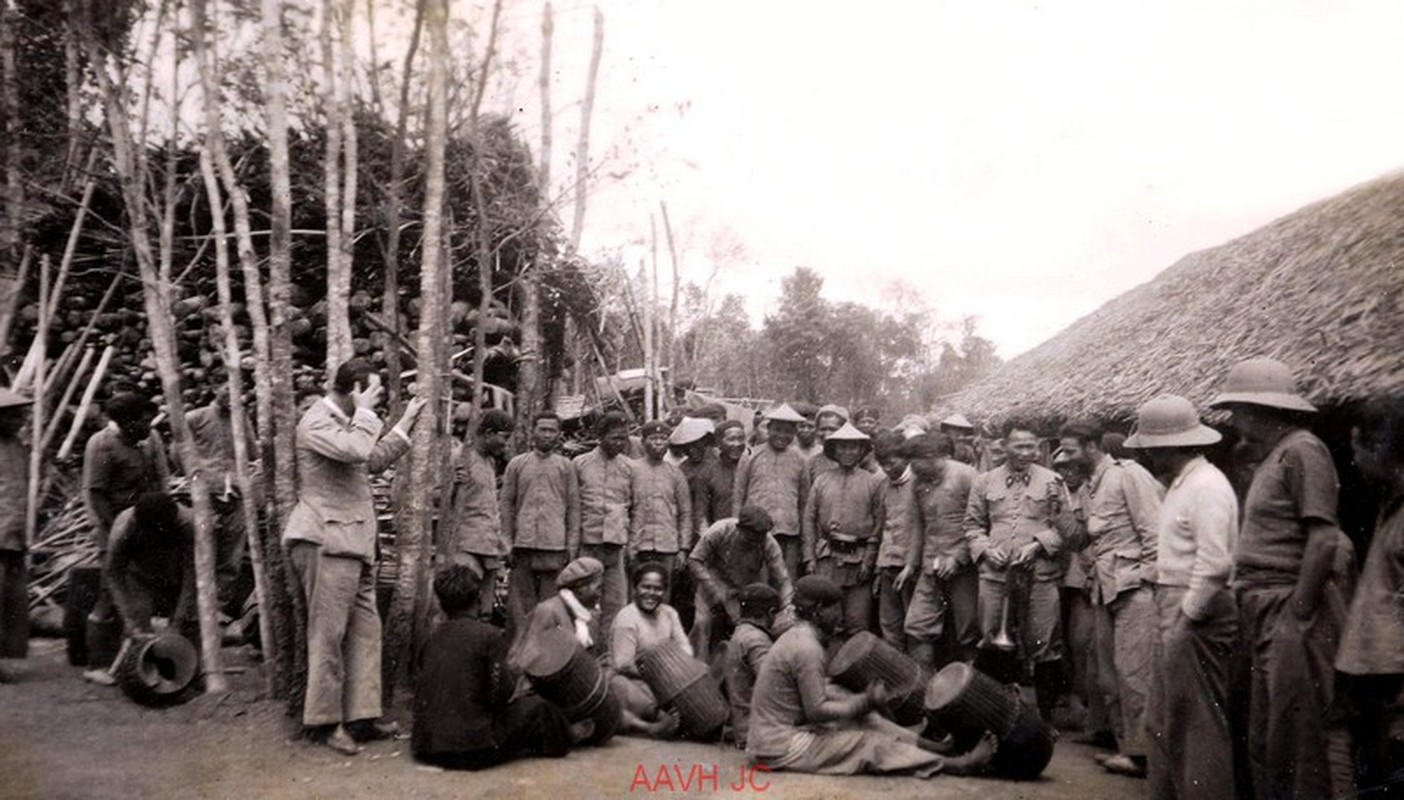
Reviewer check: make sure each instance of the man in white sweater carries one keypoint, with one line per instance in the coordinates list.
(1187, 727)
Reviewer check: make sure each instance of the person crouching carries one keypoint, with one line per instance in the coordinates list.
(464, 714)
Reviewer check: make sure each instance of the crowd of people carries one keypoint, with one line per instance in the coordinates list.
(1209, 639)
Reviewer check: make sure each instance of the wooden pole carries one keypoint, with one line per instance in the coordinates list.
(51, 429)
(81, 414)
(36, 424)
(649, 413)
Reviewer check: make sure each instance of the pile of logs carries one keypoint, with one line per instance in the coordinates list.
(119, 321)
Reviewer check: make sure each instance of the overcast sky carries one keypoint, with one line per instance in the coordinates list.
(1021, 162)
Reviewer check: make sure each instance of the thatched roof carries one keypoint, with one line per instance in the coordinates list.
(1321, 289)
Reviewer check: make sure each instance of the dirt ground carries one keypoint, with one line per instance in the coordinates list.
(63, 738)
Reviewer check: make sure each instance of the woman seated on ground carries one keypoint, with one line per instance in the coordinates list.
(644, 624)
(463, 715)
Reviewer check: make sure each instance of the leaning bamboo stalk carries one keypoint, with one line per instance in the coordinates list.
(102, 305)
(75, 231)
(81, 414)
(26, 370)
(36, 425)
(53, 372)
(52, 428)
(58, 375)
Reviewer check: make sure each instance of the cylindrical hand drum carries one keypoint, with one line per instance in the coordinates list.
(564, 673)
(684, 683)
(865, 658)
(158, 670)
(967, 703)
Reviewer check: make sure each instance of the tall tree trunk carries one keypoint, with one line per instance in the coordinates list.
(338, 275)
(283, 456)
(390, 302)
(349, 172)
(488, 257)
(582, 148)
(215, 151)
(543, 172)
(10, 223)
(154, 266)
(672, 378)
(529, 389)
(412, 542)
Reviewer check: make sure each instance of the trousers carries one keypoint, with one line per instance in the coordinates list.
(892, 606)
(1125, 631)
(343, 636)
(1189, 744)
(1292, 682)
(945, 614)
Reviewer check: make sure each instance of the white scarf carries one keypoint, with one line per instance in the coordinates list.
(582, 618)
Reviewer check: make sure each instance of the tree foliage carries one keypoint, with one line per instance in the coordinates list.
(821, 351)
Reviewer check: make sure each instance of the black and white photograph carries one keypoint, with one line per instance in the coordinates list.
(658, 398)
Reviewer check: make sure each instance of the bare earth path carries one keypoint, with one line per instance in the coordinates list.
(62, 738)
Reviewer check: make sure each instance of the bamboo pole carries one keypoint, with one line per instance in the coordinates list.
(81, 414)
(649, 412)
(673, 308)
(74, 232)
(51, 429)
(36, 424)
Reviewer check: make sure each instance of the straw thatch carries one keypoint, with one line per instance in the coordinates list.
(1321, 289)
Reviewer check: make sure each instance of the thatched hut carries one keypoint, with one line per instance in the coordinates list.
(1322, 289)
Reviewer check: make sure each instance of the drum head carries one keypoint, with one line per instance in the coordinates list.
(168, 663)
(947, 685)
(853, 651)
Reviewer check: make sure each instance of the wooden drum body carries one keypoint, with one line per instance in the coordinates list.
(966, 702)
(566, 674)
(865, 658)
(158, 670)
(685, 684)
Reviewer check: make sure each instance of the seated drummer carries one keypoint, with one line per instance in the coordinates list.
(574, 607)
(150, 566)
(745, 650)
(799, 723)
(464, 717)
(644, 624)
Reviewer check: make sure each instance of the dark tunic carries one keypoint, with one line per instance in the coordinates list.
(463, 713)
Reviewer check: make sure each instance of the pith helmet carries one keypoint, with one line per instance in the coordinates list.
(1170, 421)
(1262, 382)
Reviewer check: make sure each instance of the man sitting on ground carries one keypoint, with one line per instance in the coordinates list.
(464, 717)
(800, 723)
(746, 650)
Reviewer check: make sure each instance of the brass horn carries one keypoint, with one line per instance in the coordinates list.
(1002, 640)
